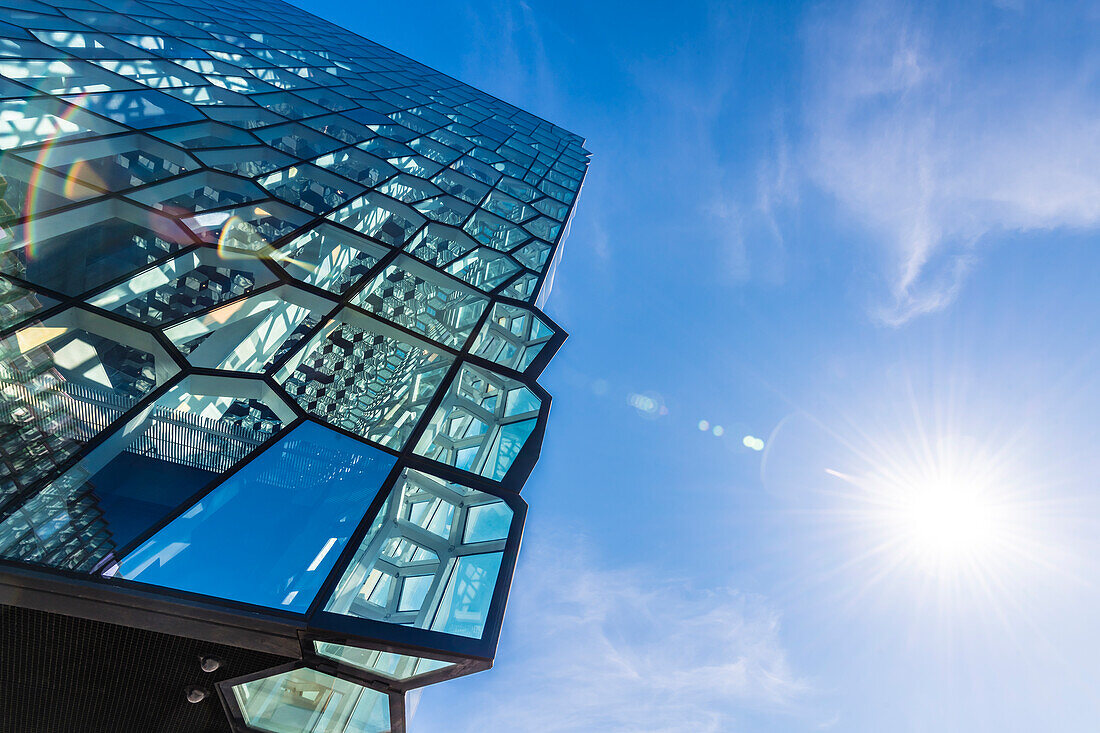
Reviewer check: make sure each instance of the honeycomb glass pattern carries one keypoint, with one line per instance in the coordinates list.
(227, 227)
(431, 559)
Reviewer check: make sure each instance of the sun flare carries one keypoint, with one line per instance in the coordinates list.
(945, 522)
(953, 513)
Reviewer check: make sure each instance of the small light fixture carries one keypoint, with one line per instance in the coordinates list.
(210, 664)
(195, 694)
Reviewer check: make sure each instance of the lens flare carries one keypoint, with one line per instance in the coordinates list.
(239, 240)
(30, 208)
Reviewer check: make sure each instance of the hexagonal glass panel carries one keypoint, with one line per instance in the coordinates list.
(392, 666)
(365, 377)
(417, 297)
(482, 423)
(430, 560)
(306, 701)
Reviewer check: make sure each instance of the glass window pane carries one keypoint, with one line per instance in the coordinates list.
(366, 377)
(300, 500)
(487, 522)
(465, 606)
(307, 701)
(419, 298)
(386, 664)
(447, 539)
(482, 424)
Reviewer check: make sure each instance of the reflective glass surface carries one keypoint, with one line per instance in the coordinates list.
(251, 265)
(385, 664)
(307, 701)
(430, 559)
(300, 500)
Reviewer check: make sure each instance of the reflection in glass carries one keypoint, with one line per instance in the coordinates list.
(417, 297)
(250, 334)
(386, 664)
(482, 423)
(139, 472)
(330, 258)
(419, 565)
(306, 701)
(363, 376)
(300, 499)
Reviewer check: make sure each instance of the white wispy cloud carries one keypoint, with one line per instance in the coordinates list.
(591, 648)
(936, 129)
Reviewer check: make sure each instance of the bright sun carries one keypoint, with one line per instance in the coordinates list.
(945, 523)
(951, 515)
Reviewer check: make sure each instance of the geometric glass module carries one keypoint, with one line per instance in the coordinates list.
(307, 701)
(430, 559)
(364, 376)
(512, 337)
(386, 664)
(300, 499)
(482, 423)
(419, 298)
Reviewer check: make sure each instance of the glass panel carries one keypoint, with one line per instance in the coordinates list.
(487, 522)
(250, 161)
(524, 287)
(311, 188)
(385, 664)
(84, 248)
(419, 298)
(495, 232)
(115, 163)
(465, 605)
(533, 255)
(249, 335)
(267, 220)
(448, 539)
(17, 304)
(29, 191)
(197, 281)
(330, 258)
(482, 423)
(198, 192)
(62, 77)
(367, 378)
(205, 135)
(512, 336)
(145, 108)
(306, 701)
(484, 268)
(438, 245)
(380, 218)
(356, 165)
(300, 500)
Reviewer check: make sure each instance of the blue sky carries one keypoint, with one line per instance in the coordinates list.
(863, 233)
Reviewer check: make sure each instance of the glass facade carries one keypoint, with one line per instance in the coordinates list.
(269, 333)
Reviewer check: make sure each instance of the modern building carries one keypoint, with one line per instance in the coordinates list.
(270, 307)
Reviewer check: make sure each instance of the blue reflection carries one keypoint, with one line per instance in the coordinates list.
(271, 532)
(140, 109)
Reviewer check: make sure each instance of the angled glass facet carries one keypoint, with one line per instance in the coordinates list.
(389, 665)
(307, 701)
(417, 297)
(482, 423)
(430, 560)
(365, 377)
(301, 499)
